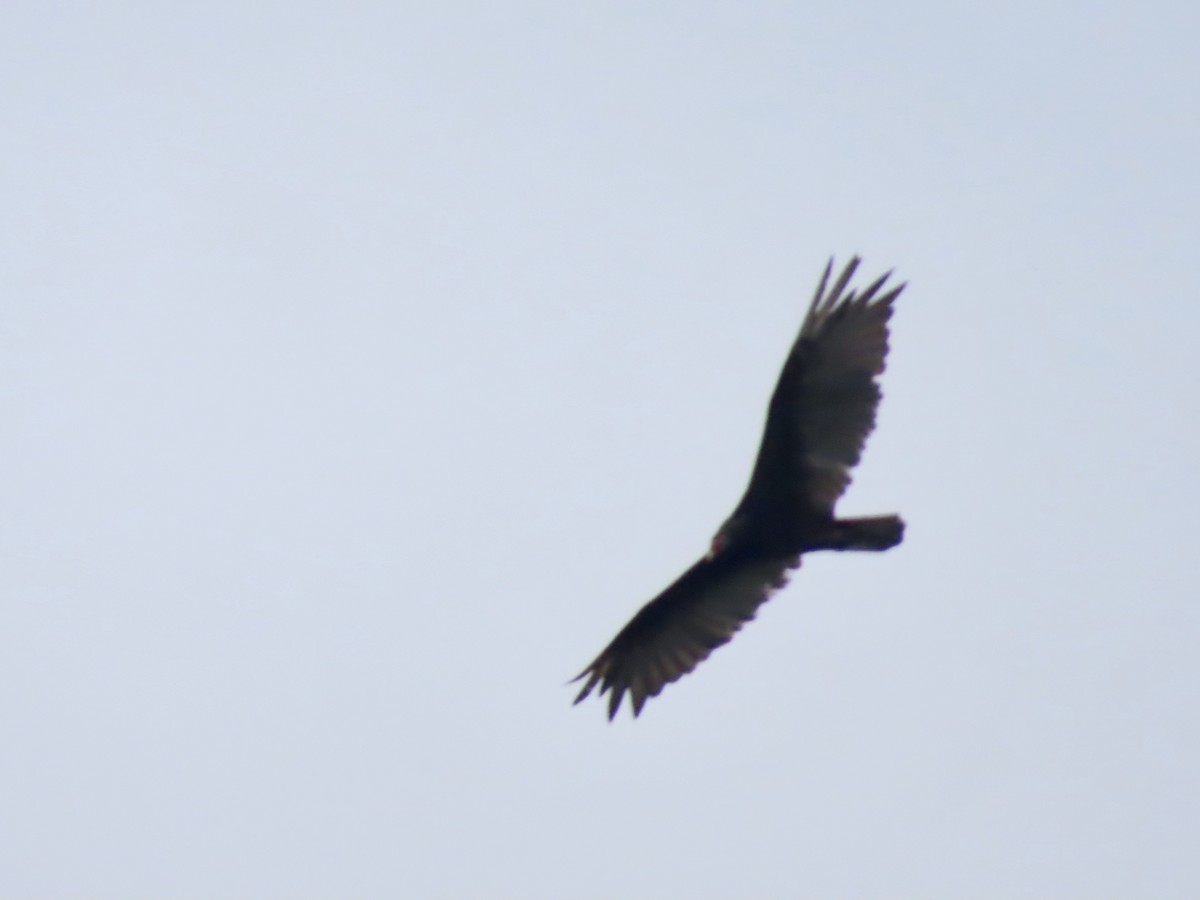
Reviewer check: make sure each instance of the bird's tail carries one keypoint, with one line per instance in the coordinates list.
(869, 533)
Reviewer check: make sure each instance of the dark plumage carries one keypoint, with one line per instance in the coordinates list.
(819, 417)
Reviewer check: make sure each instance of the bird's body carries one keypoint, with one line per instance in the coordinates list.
(820, 414)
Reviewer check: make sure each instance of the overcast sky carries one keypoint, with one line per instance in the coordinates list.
(366, 365)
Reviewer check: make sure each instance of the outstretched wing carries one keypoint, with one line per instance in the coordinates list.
(824, 405)
(680, 627)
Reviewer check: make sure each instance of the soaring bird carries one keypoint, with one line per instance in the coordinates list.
(818, 419)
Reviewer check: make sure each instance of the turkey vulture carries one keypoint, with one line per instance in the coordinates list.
(820, 415)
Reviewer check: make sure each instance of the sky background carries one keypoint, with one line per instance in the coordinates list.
(366, 365)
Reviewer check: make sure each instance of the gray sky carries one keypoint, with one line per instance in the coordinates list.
(367, 365)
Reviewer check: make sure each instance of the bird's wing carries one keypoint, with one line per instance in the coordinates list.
(824, 405)
(680, 627)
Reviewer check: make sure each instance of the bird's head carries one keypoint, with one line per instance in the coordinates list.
(723, 538)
